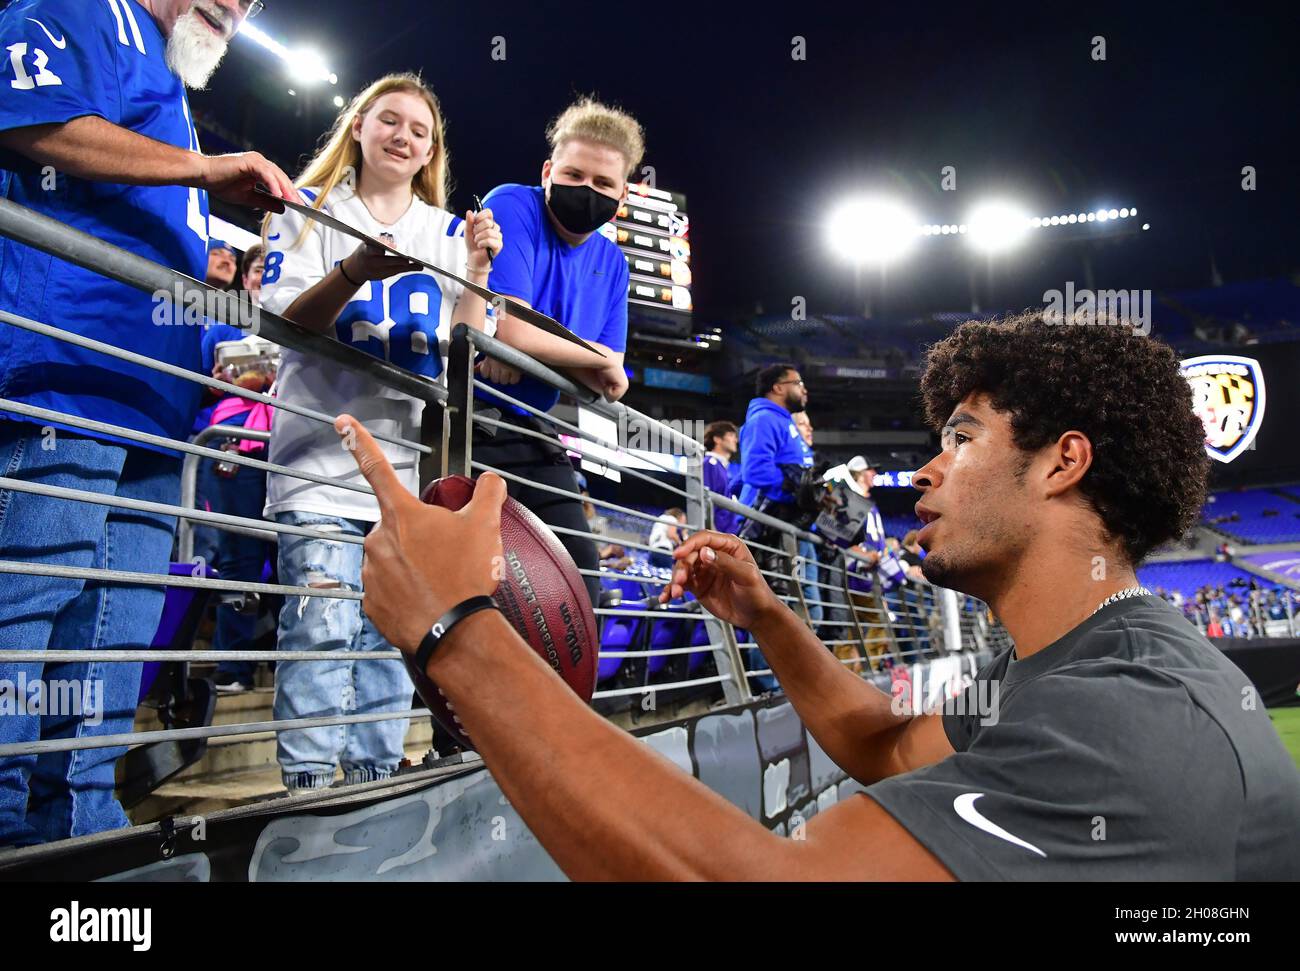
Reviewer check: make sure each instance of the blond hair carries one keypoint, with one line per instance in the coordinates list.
(342, 152)
(591, 121)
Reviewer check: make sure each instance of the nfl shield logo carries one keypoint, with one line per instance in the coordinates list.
(1228, 396)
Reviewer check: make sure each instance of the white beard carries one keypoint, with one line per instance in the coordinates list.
(193, 51)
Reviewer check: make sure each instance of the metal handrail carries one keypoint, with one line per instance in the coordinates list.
(452, 409)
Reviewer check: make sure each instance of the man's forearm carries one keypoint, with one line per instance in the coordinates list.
(851, 719)
(92, 148)
(596, 380)
(605, 806)
(547, 348)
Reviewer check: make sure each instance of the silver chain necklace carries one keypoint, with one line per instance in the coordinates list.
(1117, 596)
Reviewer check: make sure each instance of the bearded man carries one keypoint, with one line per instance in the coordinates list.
(96, 132)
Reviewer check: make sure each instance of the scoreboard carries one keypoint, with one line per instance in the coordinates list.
(654, 233)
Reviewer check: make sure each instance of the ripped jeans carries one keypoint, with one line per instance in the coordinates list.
(304, 689)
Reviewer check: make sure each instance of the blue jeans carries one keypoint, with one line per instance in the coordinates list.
(64, 794)
(307, 689)
(811, 576)
(235, 556)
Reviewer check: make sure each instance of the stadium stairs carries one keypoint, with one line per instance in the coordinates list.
(237, 770)
(240, 770)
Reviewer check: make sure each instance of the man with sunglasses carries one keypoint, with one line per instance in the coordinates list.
(96, 133)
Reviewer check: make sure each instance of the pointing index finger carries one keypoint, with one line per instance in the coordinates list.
(373, 463)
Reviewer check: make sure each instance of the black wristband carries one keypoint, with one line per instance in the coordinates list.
(343, 270)
(444, 625)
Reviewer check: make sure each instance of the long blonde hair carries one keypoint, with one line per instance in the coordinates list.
(342, 152)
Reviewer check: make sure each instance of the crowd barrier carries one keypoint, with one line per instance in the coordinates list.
(675, 647)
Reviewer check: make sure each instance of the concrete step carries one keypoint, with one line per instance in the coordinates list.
(207, 793)
(240, 769)
(236, 771)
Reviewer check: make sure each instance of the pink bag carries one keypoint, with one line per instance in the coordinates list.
(259, 418)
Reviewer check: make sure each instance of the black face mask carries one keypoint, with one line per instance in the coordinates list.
(580, 208)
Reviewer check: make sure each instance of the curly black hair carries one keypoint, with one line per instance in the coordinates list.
(1124, 391)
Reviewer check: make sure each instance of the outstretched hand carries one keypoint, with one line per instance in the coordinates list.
(720, 571)
(422, 560)
(235, 179)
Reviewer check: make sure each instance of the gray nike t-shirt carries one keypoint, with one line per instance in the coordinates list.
(1130, 749)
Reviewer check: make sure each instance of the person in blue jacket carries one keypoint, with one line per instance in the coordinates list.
(770, 439)
(96, 132)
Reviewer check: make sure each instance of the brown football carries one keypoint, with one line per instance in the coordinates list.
(541, 593)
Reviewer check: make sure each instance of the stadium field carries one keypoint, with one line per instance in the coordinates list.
(1287, 721)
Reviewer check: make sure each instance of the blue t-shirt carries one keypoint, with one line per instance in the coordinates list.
(583, 287)
(66, 59)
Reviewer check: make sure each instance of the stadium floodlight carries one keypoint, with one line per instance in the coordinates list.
(305, 65)
(998, 226)
(874, 231)
(338, 101)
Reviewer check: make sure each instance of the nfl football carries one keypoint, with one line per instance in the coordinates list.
(541, 594)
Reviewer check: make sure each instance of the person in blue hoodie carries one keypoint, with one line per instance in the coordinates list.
(771, 449)
(770, 439)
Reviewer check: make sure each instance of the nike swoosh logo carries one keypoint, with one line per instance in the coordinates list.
(964, 805)
(61, 43)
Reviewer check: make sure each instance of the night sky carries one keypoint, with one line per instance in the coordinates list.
(764, 146)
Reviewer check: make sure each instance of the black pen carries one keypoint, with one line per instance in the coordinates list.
(478, 207)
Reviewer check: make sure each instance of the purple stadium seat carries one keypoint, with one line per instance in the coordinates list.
(1187, 576)
(664, 634)
(620, 633)
(697, 660)
(1262, 516)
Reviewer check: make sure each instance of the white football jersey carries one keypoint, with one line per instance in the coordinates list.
(404, 319)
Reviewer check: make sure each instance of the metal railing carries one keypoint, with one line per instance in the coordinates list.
(867, 629)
